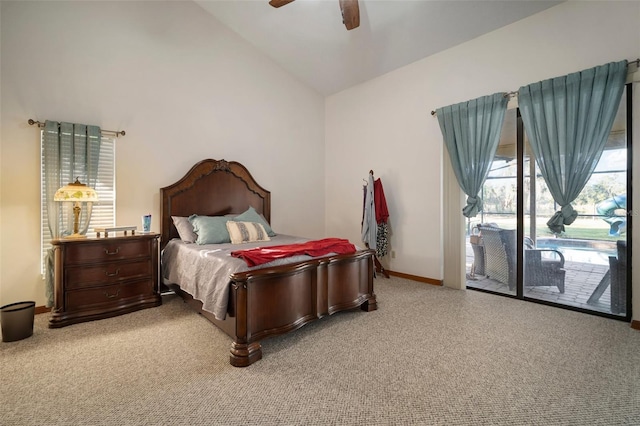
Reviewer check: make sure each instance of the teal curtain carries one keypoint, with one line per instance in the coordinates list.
(568, 120)
(70, 151)
(471, 132)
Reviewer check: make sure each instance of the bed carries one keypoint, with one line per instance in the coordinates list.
(262, 301)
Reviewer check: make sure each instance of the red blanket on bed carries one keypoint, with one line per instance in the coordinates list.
(260, 255)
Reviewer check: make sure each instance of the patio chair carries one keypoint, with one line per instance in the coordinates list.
(498, 255)
(500, 260)
(478, 253)
(618, 268)
(616, 276)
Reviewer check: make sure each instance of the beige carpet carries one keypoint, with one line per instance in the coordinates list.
(428, 355)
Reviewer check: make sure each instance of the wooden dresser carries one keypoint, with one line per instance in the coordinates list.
(98, 278)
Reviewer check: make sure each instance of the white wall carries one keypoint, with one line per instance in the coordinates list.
(385, 124)
(182, 86)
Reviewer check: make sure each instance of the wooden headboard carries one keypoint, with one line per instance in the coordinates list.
(211, 188)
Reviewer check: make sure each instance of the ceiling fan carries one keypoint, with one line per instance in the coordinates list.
(349, 8)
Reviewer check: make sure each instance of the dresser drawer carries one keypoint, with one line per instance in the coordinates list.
(106, 273)
(106, 250)
(111, 294)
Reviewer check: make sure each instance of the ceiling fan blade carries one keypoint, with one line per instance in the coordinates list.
(350, 13)
(278, 3)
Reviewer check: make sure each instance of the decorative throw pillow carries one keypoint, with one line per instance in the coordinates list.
(185, 229)
(246, 232)
(210, 229)
(251, 215)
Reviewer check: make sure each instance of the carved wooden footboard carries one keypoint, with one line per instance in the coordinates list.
(269, 301)
(278, 300)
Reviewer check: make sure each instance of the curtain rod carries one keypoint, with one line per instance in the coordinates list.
(111, 132)
(504, 95)
(635, 62)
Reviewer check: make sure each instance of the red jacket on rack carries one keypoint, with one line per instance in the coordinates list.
(382, 213)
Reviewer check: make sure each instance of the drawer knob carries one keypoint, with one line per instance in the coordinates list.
(110, 253)
(112, 274)
(111, 296)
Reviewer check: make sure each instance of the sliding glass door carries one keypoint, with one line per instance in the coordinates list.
(512, 251)
(492, 265)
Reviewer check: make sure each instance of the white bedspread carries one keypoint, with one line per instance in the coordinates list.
(203, 271)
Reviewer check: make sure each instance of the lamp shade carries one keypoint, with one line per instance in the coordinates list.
(76, 192)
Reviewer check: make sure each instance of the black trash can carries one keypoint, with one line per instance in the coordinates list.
(17, 320)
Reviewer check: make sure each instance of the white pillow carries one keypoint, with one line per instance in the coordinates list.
(246, 232)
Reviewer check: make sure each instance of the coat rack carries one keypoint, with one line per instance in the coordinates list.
(378, 266)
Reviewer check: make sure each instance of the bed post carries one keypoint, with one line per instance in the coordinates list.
(243, 354)
(371, 304)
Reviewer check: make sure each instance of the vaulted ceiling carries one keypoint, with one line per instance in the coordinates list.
(308, 38)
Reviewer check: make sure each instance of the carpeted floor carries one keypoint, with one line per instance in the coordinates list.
(428, 355)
